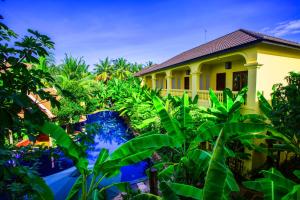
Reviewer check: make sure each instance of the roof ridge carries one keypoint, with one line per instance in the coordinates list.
(252, 33)
(265, 36)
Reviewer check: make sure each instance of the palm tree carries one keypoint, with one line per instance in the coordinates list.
(149, 64)
(74, 68)
(103, 69)
(122, 68)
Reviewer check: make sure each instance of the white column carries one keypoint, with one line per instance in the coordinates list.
(169, 81)
(143, 81)
(252, 84)
(153, 81)
(195, 74)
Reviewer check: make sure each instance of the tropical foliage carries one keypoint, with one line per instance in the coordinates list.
(190, 146)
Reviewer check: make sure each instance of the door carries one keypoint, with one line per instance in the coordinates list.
(240, 80)
(221, 81)
(186, 83)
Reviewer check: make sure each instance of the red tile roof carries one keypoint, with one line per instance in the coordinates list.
(230, 41)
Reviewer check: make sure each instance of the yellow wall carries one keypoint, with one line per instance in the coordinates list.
(213, 69)
(161, 81)
(276, 62)
(148, 81)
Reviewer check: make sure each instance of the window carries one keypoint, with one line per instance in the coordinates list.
(228, 65)
(173, 83)
(156, 83)
(207, 82)
(240, 80)
(201, 82)
(178, 83)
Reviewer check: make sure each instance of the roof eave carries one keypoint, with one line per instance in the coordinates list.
(206, 56)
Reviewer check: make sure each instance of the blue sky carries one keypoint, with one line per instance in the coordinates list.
(141, 30)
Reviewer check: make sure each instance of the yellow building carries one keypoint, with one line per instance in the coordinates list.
(232, 61)
(238, 59)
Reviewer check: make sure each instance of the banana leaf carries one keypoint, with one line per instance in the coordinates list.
(103, 155)
(167, 192)
(217, 172)
(75, 189)
(146, 196)
(166, 173)
(167, 122)
(274, 185)
(227, 98)
(240, 129)
(216, 103)
(293, 194)
(138, 144)
(187, 119)
(186, 190)
(264, 105)
(70, 148)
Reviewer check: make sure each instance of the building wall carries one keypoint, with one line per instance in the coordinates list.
(149, 81)
(276, 62)
(213, 69)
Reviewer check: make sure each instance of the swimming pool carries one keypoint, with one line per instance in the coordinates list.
(111, 132)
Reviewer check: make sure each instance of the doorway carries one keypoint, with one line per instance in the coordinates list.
(221, 81)
(186, 83)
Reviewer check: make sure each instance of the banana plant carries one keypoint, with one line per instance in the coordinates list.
(288, 142)
(275, 186)
(106, 165)
(228, 125)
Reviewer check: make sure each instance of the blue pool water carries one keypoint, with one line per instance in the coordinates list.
(110, 133)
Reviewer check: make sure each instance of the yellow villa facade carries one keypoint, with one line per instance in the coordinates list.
(238, 59)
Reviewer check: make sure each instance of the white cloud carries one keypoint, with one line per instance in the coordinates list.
(284, 28)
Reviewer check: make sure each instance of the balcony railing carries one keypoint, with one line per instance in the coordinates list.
(179, 92)
(204, 95)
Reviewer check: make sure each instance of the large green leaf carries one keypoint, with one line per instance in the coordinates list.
(186, 190)
(187, 119)
(293, 194)
(166, 173)
(216, 103)
(122, 186)
(167, 192)
(138, 144)
(217, 172)
(207, 131)
(75, 188)
(240, 129)
(264, 105)
(137, 157)
(63, 140)
(103, 155)
(274, 185)
(227, 98)
(146, 196)
(38, 184)
(167, 122)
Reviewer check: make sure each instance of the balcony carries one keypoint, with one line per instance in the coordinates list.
(203, 95)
